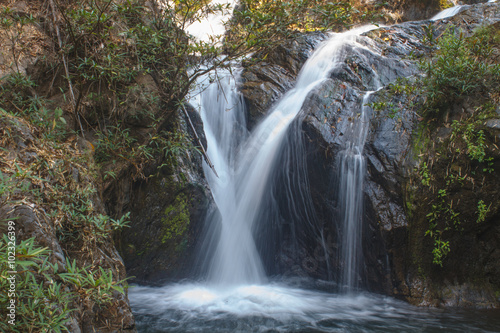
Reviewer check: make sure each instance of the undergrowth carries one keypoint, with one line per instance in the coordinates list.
(462, 68)
(46, 294)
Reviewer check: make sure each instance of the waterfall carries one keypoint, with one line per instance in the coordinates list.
(235, 259)
(447, 13)
(246, 161)
(352, 169)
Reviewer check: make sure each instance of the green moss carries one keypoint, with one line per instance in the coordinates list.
(176, 218)
(410, 197)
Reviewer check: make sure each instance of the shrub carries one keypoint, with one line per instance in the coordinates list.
(462, 66)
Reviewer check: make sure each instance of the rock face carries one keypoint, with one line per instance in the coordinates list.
(397, 252)
(265, 82)
(167, 212)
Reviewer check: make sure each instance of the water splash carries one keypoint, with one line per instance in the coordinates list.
(284, 308)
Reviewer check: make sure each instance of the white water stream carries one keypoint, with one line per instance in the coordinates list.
(244, 162)
(447, 13)
(352, 168)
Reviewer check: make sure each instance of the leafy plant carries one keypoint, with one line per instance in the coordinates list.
(462, 66)
(44, 295)
(425, 174)
(42, 303)
(18, 98)
(96, 285)
(482, 211)
(440, 251)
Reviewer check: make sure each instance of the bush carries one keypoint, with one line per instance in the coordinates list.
(462, 66)
(44, 295)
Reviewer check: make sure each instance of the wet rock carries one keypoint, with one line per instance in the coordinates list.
(266, 81)
(467, 296)
(167, 209)
(493, 124)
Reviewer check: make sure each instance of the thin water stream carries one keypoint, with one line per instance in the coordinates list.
(352, 168)
(235, 294)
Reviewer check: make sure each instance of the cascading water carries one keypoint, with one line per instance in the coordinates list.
(352, 169)
(447, 13)
(236, 194)
(246, 167)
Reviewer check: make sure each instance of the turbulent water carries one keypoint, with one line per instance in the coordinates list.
(286, 308)
(234, 293)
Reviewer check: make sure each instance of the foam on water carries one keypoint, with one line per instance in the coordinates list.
(283, 308)
(276, 301)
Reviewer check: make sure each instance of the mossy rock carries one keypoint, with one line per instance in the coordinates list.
(167, 214)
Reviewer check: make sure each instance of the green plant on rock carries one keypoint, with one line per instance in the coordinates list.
(462, 66)
(473, 138)
(97, 285)
(441, 218)
(44, 295)
(425, 175)
(468, 131)
(118, 144)
(482, 211)
(42, 303)
(17, 98)
(440, 251)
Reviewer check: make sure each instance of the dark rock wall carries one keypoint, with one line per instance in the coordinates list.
(167, 212)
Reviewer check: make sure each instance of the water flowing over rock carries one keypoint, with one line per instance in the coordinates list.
(249, 165)
(267, 81)
(390, 53)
